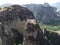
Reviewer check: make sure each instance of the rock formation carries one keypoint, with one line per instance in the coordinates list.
(13, 17)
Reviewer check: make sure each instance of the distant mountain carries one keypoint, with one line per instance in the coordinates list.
(4, 5)
(43, 12)
(57, 4)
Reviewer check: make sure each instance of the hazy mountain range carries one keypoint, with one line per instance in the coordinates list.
(54, 5)
(57, 4)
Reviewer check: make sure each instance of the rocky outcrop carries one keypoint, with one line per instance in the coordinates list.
(13, 17)
(11, 12)
(53, 37)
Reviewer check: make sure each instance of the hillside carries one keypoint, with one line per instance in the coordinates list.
(44, 13)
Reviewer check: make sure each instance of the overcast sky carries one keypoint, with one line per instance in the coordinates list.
(27, 1)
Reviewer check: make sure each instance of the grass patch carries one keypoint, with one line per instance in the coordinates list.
(50, 27)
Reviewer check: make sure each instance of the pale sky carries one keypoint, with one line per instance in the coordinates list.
(27, 1)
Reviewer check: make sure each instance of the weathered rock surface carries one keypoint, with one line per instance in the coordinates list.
(13, 17)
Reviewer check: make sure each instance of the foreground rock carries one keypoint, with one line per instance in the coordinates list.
(13, 17)
(53, 37)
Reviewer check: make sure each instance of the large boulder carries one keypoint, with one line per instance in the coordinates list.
(13, 17)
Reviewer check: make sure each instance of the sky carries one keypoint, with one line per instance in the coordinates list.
(27, 1)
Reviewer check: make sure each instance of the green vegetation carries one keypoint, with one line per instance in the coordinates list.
(20, 44)
(50, 27)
